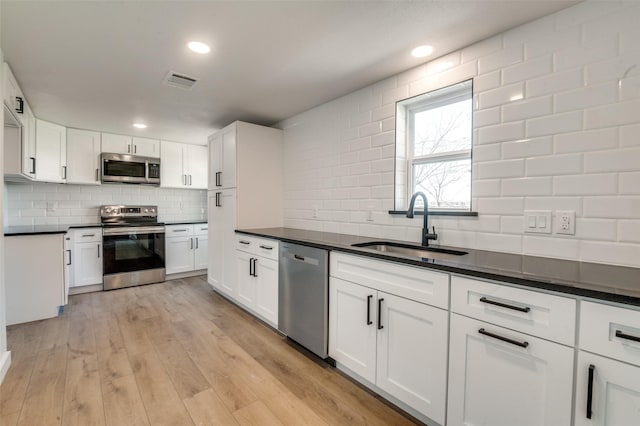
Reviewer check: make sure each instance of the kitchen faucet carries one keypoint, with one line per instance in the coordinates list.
(426, 236)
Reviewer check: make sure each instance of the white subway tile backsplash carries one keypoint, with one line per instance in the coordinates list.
(629, 231)
(501, 132)
(485, 82)
(630, 135)
(615, 254)
(529, 108)
(612, 115)
(500, 206)
(526, 187)
(554, 83)
(552, 247)
(593, 140)
(386, 138)
(629, 183)
(592, 184)
(554, 203)
(552, 42)
(501, 96)
(499, 242)
(620, 160)
(554, 124)
(486, 188)
(392, 96)
(487, 117)
(527, 148)
(511, 224)
(499, 169)
(618, 207)
(596, 229)
(527, 70)
(488, 152)
(551, 165)
(482, 48)
(629, 88)
(586, 97)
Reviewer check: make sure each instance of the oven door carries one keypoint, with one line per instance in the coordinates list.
(133, 255)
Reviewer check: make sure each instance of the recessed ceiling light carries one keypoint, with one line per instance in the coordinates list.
(422, 51)
(198, 47)
(139, 125)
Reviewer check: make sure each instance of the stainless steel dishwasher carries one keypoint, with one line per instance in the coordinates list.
(303, 296)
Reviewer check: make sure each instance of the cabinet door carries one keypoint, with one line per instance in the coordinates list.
(228, 206)
(196, 169)
(145, 147)
(267, 289)
(12, 92)
(412, 354)
(201, 252)
(179, 254)
(229, 157)
(172, 174)
(118, 144)
(494, 382)
(83, 157)
(352, 327)
(615, 392)
(51, 152)
(215, 162)
(29, 142)
(86, 262)
(246, 283)
(216, 248)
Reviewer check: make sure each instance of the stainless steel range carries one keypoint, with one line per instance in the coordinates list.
(133, 246)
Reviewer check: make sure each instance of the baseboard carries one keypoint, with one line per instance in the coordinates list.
(5, 362)
(185, 274)
(85, 289)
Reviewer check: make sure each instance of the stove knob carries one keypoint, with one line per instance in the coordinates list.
(146, 210)
(107, 210)
(153, 210)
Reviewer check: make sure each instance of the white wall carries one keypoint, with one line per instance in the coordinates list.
(39, 203)
(571, 143)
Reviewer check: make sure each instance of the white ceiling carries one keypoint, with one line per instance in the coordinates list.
(100, 64)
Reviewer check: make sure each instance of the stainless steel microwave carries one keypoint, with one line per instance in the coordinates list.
(125, 168)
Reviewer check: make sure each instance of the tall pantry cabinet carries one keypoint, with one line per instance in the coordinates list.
(245, 191)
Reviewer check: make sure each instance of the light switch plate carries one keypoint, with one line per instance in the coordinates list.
(537, 221)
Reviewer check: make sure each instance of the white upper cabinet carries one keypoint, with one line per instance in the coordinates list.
(122, 144)
(51, 152)
(223, 158)
(13, 96)
(83, 157)
(183, 165)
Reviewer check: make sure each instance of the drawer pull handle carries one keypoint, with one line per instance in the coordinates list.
(504, 339)
(380, 326)
(623, 335)
(592, 369)
(266, 247)
(88, 235)
(298, 257)
(179, 230)
(369, 297)
(504, 305)
(244, 242)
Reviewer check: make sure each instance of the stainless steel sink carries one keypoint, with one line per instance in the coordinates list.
(408, 250)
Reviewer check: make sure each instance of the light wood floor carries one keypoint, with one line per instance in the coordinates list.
(173, 353)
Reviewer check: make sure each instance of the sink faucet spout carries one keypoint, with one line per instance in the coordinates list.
(426, 236)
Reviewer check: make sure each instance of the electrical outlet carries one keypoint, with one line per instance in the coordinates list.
(566, 222)
(537, 221)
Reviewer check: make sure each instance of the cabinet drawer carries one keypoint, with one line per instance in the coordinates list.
(201, 229)
(610, 331)
(245, 243)
(539, 314)
(410, 282)
(266, 248)
(86, 235)
(178, 230)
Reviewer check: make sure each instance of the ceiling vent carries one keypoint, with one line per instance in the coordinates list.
(179, 80)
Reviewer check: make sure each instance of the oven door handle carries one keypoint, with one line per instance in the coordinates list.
(135, 230)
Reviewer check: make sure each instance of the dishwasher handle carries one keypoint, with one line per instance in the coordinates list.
(298, 257)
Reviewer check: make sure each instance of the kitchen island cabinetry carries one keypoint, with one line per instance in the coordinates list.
(608, 371)
(186, 247)
(83, 157)
(183, 165)
(51, 152)
(382, 331)
(245, 190)
(257, 275)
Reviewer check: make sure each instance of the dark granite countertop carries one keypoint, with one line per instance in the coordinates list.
(11, 231)
(609, 282)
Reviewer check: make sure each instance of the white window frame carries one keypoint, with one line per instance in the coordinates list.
(425, 102)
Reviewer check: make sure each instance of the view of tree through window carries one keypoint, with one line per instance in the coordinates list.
(439, 132)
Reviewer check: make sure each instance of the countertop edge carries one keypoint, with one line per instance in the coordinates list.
(549, 285)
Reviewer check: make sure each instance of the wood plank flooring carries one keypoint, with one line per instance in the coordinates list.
(173, 353)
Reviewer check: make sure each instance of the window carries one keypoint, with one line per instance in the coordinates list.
(434, 138)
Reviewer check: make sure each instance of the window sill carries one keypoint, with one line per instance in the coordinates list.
(434, 213)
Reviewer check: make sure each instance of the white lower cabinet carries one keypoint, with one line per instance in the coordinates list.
(608, 372)
(186, 247)
(394, 343)
(500, 377)
(84, 257)
(257, 277)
